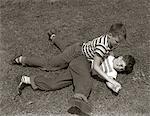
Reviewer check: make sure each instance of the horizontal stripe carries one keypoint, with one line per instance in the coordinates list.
(100, 48)
(100, 53)
(98, 45)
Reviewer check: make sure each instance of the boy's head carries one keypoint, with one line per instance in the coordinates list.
(124, 64)
(117, 33)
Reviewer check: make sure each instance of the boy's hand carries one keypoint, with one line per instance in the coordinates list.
(114, 87)
(114, 82)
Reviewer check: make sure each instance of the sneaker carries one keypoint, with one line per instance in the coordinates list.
(76, 110)
(23, 83)
(17, 61)
(51, 35)
(20, 87)
(85, 107)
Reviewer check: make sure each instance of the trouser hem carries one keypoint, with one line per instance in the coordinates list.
(33, 83)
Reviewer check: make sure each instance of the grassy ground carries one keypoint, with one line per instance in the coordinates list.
(23, 28)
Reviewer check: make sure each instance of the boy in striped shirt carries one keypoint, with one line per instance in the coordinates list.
(76, 57)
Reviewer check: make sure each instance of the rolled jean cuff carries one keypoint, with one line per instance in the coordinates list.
(33, 83)
(80, 96)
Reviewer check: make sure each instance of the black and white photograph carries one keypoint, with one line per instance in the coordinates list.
(74, 58)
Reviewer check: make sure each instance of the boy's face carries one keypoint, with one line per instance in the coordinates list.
(114, 41)
(119, 64)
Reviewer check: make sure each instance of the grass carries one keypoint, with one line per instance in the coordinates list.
(23, 27)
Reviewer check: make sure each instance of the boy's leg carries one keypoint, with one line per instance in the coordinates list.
(34, 61)
(59, 43)
(54, 62)
(59, 82)
(47, 84)
(63, 59)
(63, 43)
(82, 81)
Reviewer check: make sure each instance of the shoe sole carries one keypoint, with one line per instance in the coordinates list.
(76, 110)
(82, 105)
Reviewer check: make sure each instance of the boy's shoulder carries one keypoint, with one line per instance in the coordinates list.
(109, 57)
(102, 36)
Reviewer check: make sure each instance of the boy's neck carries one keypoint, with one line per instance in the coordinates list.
(109, 43)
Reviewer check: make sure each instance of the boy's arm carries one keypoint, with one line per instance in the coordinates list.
(97, 62)
(112, 87)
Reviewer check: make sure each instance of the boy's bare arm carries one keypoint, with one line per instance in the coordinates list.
(112, 87)
(97, 62)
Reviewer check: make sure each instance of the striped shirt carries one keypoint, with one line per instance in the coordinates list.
(96, 46)
(107, 67)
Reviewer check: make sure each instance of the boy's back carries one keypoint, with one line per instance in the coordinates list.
(98, 45)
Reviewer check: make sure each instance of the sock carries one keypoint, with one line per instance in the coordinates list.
(26, 79)
(52, 37)
(19, 59)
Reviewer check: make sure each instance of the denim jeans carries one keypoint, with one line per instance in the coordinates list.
(76, 74)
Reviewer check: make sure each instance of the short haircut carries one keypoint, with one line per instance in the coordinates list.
(118, 29)
(130, 61)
